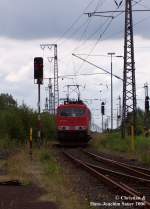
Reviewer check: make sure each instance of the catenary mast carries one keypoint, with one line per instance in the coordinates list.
(129, 85)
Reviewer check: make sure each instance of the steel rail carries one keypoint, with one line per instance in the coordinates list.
(107, 180)
(114, 163)
(139, 194)
(139, 168)
(119, 174)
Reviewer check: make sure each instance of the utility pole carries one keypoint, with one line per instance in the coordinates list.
(111, 55)
(46, 104)
(39, 114)
(129, 85)
(119, 98)
(117, 118)
(51, 105)
(56, 85)
(119, 113)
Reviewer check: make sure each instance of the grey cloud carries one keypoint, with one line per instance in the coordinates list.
(34, 19)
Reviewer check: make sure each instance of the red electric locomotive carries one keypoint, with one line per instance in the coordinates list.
(73, 121)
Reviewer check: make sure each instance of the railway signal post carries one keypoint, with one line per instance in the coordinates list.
(146, 98)
(146, 115)
(38, 79)
(103, 113)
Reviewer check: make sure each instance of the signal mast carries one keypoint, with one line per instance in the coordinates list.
(38, 79)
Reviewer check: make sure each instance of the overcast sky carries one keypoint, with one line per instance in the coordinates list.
(25, 24)
(34, 19)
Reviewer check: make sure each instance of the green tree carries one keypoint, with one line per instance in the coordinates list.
(16, 121)
(7, 100)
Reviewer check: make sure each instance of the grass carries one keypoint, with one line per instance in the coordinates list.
(143, 149)
(59, 184)
(17, 166)
(113, 142)
(7, 144)
(50, 164)
(44, 171)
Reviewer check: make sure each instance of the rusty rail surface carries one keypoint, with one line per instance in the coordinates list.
(123, 166)
(119, 174)
(122, 188)
(145, 170)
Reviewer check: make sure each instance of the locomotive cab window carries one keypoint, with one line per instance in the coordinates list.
(72, 112)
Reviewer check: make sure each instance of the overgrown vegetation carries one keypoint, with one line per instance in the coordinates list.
(112, 142)
(43, 170)
(16, 121)
(48, 174)
(55, 180)
(49, 162)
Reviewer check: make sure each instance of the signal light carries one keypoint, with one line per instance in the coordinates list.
(38, 69)
(103, 108)
(147, 104)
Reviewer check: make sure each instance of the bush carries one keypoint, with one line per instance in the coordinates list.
(114, 143)
(16, 122)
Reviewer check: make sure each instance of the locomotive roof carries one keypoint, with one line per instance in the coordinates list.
(81, 105)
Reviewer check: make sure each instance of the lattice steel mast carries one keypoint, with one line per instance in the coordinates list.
(51, 103)
(55, 85)
(129, 85)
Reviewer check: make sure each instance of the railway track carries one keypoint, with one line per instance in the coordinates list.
(126, 179)
(136, 170)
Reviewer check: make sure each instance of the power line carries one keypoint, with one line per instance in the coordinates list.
(85, 30)
(82, 74)
(138, 2)
(101, 35)
(76, 75)
(107, 26)
(93, 55)
(98, 4)
(106, 71)
(74, 23)
(86, 23)
(120, 13)
(135, 24)
(90, 37)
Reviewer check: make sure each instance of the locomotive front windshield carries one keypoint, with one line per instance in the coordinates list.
(72, 112)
